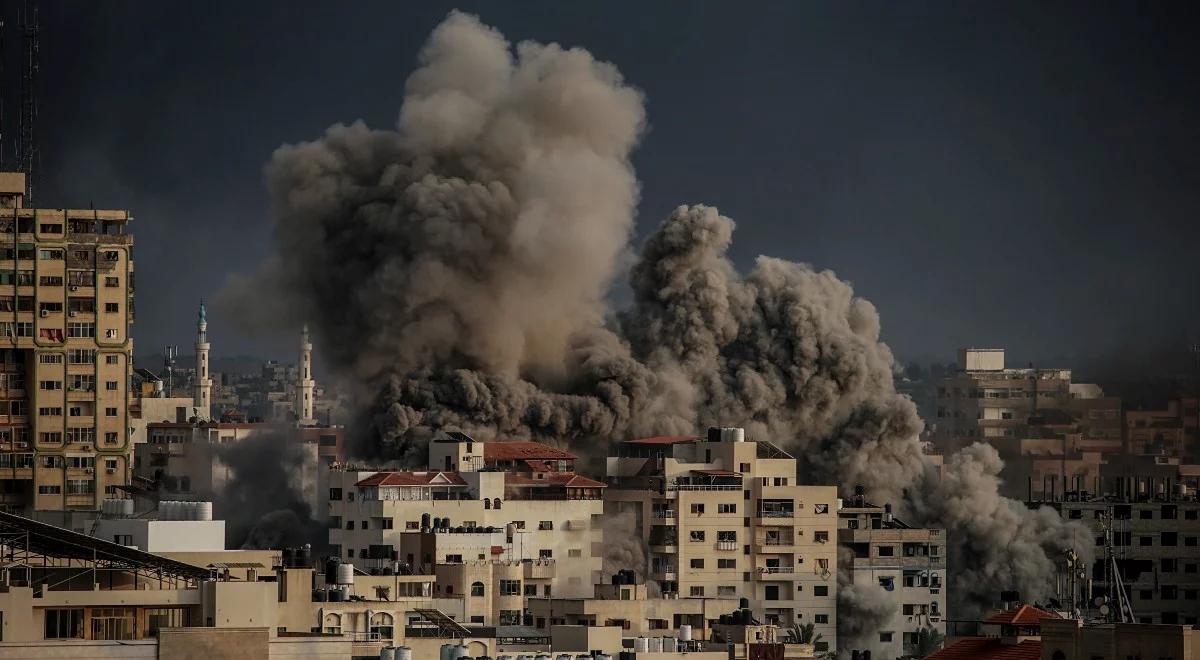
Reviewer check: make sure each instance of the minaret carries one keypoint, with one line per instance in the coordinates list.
(303, 404)
(202, 398)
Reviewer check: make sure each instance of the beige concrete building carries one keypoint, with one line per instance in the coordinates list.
(908, 563)
(496, 522)
(66, 308)
(724, 517)
(1071, 639)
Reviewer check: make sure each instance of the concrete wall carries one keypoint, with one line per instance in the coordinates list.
(145, 649)
(213, 643)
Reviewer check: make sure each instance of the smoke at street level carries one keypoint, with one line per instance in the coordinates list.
(455, 268)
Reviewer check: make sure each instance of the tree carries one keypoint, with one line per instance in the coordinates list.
(802, 634)
(928, 641)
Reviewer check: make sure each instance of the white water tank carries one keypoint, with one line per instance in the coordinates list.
(685, 633)
(204, 511)
(125, 507)
(403, 653)
(345, 574)
(563, 656)
(734, 434)
(447, 652)
(668, 644)
(166, 508)
(654, 644)
(387, 653)
(461, 652)
(641, 645)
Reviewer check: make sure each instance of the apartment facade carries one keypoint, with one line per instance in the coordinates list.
(1156, 544)
(724, 517)
(908, 562)
(66, 310)
(496, 522)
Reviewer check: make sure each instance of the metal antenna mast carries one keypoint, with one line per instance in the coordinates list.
(27, 149)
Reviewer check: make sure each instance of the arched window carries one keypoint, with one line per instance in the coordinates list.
(476, 588)
(496, 503)
(487, 504)
(332, 625)
(382, 626)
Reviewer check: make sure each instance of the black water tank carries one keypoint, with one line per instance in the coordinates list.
(289, 558)
(304, 557)
(714, 434)
(331, 566)
(743, 603)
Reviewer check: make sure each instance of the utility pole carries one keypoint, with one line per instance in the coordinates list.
(27, 147)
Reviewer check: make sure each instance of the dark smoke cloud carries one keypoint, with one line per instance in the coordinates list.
(455, 267)
(261, 501)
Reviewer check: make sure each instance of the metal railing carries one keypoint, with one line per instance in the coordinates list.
(704, 486)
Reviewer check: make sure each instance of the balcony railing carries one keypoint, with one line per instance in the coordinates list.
(777, 569)
(776, 514)
(664, 513)
(727, 545)
(704, 487)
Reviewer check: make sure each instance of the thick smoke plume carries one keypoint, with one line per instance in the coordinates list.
(456, 267)
(261, 499)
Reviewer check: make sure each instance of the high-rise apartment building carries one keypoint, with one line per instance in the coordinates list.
(724, 517)
(66, 307)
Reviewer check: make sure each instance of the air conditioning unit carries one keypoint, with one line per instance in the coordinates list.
(45, 313)
(74, 287)
(111, 470)
(72, 313)
(89, 470)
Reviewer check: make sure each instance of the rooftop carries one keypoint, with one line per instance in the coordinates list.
(1025, 615)
(988, 648)
(561, 479)
(665, 440)
(510, 450)
(413, 479)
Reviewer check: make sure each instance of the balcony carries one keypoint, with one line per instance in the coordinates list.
(539, 569)
(576, 525)
(664, 513)
(776, 570)
(663, 574)
(727, 545)
(677, 487)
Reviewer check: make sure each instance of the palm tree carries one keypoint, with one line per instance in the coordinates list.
(802, 634)
(928, 641)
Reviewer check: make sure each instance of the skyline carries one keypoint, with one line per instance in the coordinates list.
(877, 165)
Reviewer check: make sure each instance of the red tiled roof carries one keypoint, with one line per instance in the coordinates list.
(988, 648)
(563, 479)
(508, 450)
(664, 440)
(413, 479)
(1025, 615)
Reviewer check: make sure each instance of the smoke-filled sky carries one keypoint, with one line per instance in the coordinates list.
(1015, 175)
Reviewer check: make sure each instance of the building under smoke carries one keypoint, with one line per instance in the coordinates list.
(460, 279)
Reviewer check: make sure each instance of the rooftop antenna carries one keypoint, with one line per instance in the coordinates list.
(169, 362)
(27, 148)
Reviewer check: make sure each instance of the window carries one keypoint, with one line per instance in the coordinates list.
(727, 508)
(574, 553)
(350, 524)
(385, 523)
(821, 537)
(697, 563)
(50, 412)
(81, 356)
(110, 385)
(1169, 565)
(51, 228)
(697, 508)
(82, 383)
(112, 623)
(726, 591)
(81, 434)
(820, 508)
(1145, 540)
(49, 490)
(157, 619)
(696, 536)
(112, 307)
(80, 487)
(771, 592)
(50, 385)
(1146, 514)
(112, 281)
(726, 563)
(332, 625)
(885, 637)
(382, 626)
(510, 617)
(697, 592)
(112, 359)
(510, 587)
(820, 618)
(64, 623)
(545, 525)
(81, 329)
(820, 590)
(51, 437)
(545, 554)
(50, 358)
(50, 254)
(1169, 538)
(110, 437)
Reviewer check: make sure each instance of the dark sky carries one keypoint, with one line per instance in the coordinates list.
(986, 173)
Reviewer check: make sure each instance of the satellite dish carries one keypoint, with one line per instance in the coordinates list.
(1104, 610)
